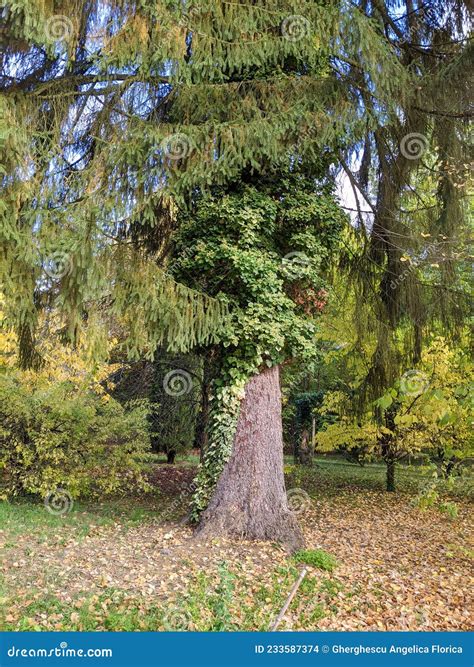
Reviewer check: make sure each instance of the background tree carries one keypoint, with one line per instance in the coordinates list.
(60, 429)
(428, 412)
(172, 386)
(409, 181)
(175, 397)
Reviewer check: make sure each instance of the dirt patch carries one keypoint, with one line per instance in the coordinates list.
(172, 479)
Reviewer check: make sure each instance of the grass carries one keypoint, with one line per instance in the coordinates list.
(336, 474)
(207, 606)
(20, 515)
(316, 558)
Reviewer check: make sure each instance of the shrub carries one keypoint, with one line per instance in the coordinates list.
(68, 434)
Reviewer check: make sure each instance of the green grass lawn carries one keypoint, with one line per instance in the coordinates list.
(409, 478)
(340, 473)
(22, 515)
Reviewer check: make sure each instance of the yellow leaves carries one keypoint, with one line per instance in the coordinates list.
(74, 618)
(177, 37)
(405, 420)
(348, 434)
(60, 362)
(8, 342)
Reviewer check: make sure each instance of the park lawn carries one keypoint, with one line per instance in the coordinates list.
(375, 561)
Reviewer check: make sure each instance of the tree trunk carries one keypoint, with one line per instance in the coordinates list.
(296, 448)
(390, 475)
(250, 497)
(200, 436)
(170, 456)
(449, 467)
(304, 451)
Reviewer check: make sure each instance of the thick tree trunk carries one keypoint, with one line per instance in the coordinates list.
(170, 456)
(250, 497)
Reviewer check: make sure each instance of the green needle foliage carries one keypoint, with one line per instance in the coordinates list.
(115, 111)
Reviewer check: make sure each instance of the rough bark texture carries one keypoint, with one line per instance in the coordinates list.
(250, 498)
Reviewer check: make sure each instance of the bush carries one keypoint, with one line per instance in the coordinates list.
(68, 434)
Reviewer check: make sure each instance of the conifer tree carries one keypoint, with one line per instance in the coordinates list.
(410, 271)
(116, 115)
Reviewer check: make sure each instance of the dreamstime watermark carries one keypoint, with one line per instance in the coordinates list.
(58, 265)
(176, 620)
(298, 500)
(59, 502)
(414, 383)
(176, 146)
(413, 145)
(59, 27)
(295, 28)
(416, 261)
(179, 260)
(61, 651)
(295, 259)
(190, 14)
(424, 15)
(177, 382)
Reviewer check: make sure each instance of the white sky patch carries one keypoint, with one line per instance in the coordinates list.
(347, 198)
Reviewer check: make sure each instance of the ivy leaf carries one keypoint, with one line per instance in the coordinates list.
(385, 401)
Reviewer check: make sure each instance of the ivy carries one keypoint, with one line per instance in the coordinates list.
(222, 427)
(258, 248)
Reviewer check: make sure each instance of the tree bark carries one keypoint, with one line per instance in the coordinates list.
(250, 497)
(170, 456)
(304, 450)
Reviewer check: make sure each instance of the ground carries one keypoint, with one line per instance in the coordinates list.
(133, 564)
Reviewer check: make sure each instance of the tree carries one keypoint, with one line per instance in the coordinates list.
(175, 394)
(409, 268)
(428, 411)
(117, 115)
(262, 248)
(305, 425)
(60, 430)
(406, 268)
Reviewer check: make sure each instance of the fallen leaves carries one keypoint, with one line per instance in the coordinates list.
(398, 569)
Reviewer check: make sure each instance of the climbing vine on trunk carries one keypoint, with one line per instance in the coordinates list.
(223, 419)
